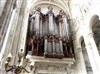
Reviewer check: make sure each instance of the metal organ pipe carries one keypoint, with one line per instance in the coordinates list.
(66, 26)
(32, 26)
(54, 49)
(45, 46)
(51, 25)
(57, 48)
(41, 29)
(37, 22)
(49, 47)
(60, 30)
(61, 47)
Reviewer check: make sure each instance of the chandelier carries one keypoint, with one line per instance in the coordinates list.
(19, 67)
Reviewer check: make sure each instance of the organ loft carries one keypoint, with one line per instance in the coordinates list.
(49, 35)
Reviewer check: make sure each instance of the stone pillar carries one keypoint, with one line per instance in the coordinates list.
(80, 64)
(92, 53)
(9, 38)
(23, 33)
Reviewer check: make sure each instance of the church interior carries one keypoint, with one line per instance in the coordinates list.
(49, 37)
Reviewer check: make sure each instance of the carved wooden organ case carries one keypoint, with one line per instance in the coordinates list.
(49, 35)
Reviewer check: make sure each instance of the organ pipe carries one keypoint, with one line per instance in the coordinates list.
(51, 25)
(37, 22)
(45, 46)
(66, 26)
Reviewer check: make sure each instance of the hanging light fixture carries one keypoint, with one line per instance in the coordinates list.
(17, 69)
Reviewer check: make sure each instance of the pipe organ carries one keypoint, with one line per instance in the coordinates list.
(49, 35)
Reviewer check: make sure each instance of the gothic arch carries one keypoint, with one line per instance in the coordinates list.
(93, 21)
(51, 3)
(95, 29)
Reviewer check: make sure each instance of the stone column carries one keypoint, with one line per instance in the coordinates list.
(24, 28)
(92, 53)
(80, 63)
(9, 38)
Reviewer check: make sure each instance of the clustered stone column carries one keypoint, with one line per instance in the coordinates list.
(92, 52)
(49, 34)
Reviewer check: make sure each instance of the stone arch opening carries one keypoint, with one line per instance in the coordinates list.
(49, 33)
(95, 27)
(93, 21)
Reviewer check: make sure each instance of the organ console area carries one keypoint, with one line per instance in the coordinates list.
(49, 35)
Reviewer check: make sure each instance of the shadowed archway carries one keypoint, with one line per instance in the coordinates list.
(95, 27)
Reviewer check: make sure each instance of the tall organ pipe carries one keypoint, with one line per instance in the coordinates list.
(51, 25)
(60, 30)
(31, 26)
(45, 46)
(41, 29)
(61, 46)
(66, 25)
(37, 22)
(54, 49)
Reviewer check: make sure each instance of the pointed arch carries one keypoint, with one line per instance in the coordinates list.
(93, 21)
(51, 3)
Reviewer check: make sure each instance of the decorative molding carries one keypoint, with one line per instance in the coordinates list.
(52, 66)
